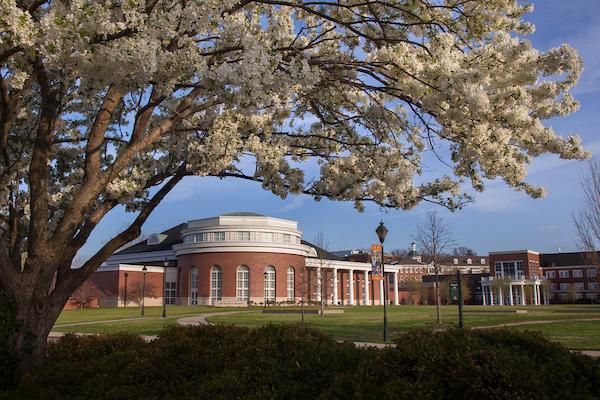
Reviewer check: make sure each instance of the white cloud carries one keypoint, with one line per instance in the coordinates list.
(295, 203)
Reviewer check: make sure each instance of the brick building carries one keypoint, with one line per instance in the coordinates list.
(516, 279)
(574, 277)
(239, 259)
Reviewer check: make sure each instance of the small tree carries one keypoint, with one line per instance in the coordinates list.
(414, 288)
(136, 290)
(85, 293)
(465, 289)
(302, 285)
(435, 238)
(323, 276)
(571, 293)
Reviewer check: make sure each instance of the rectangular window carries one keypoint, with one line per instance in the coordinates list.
(267, 236)
(564, 286)
(290, 284)
(579, 285)
(591, 273)
(287, 238)
(244, 236)
(563, 274)
(593, 285)
(218, 236)
(550, 274)
(242, 284)
(553, 287)
(170, 293)
(579, 296)
(577, 273)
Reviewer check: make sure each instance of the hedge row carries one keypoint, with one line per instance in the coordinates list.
(290, 362)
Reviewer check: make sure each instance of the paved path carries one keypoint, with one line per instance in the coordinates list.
(200, 319)
(536, 322)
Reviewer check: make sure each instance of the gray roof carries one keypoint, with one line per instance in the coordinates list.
(173, 237)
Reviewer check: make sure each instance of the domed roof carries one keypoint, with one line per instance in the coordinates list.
(241, 214)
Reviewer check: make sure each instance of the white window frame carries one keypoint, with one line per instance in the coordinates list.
(550, 274)
(216, 283)
(242, 283)
(577, 273)
(563, 274)
(269, 283)
(290, 284)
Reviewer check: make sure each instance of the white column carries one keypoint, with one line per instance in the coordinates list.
(396, 288)
(535, 297)
(367, 299)
(319, 273)
(523, 301)
(335, 287)
(539, 289)
(381, 292)
(510, 292)
(500, 296)
(351, 287)
(484, 295)
(491, 296)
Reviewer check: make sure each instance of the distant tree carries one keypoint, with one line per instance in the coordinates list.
(463, 251)
(85, 293)
(323, 276)
(587, 217)
(465, 289)
(135, 290)
(302, 288)
(435, 238)
(399, 253)
(571, 293)
(414, 288)
(500, 285)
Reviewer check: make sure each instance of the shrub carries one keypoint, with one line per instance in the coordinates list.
(292, 362)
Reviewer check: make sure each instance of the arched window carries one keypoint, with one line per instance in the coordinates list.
(270, 283)
(242, 282)
(194, 286)
(215, 283)
(290, 283)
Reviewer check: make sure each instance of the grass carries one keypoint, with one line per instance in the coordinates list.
(357, 323)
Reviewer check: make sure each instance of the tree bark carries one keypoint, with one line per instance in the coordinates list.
(438, 301)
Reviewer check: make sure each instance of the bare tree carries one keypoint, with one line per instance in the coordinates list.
(435, 238)
(323, 276)
(463, 251)
(587, 217)
(136, 290)
(302, 287)
(571, 293)
(85, 293)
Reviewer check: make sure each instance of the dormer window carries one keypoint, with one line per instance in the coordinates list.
(156, 238)
(469, 261)
(455, 261)
(482, 261)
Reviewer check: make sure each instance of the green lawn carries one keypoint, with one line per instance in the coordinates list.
(357, 323)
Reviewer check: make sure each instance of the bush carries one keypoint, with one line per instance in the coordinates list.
(10, 327)
(291, 362)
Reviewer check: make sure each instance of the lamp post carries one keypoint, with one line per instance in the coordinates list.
(165, 265)
(143, 288)
(125, 291)
(265, 286)
(381, 232)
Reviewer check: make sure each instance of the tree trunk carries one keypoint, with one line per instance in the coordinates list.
(38, 316)
(438, 301)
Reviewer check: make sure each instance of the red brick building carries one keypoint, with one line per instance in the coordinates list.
(574, 277)
(238, 259)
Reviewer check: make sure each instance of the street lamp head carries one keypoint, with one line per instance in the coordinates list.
(381, 232)
(166, 262)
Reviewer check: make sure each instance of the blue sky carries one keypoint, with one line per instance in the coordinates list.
(500, 219)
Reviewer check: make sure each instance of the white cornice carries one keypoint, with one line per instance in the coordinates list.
(237, 247)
